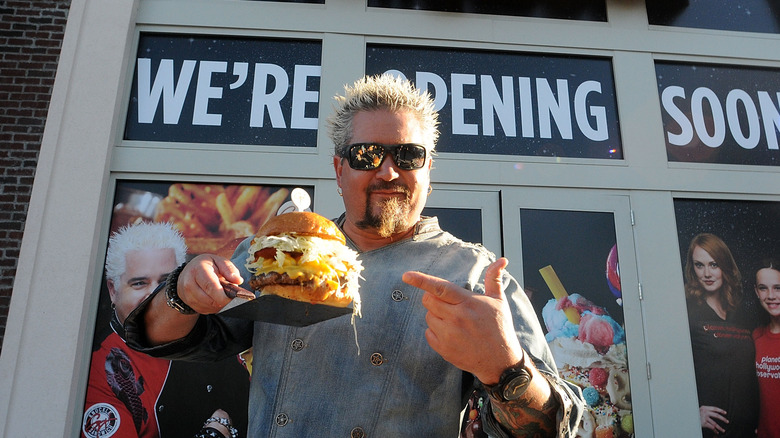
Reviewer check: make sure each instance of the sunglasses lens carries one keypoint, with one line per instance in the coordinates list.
(369, 156)
(410, 156)
(365, 156)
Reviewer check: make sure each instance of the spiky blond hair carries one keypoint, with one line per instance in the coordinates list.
(381, 92)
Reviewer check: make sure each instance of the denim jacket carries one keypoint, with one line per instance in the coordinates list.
(314, 381)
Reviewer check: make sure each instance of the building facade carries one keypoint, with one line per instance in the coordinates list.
(571, 132)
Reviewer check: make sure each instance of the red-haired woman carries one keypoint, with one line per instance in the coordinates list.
(723, 351)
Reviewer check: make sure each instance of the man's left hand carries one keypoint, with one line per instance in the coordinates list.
(472, 331)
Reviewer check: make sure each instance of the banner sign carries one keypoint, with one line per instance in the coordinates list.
(215, 89)
(513, 103)
(592, 10)
(734, 15)
(720, 114)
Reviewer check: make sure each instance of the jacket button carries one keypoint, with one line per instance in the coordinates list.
(377, 359)
(357, 432)
(297, 344)
(398, 296)
(282, 420)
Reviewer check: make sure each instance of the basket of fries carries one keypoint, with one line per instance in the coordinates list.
(214, 217)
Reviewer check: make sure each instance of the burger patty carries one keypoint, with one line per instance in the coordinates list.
(258, 281)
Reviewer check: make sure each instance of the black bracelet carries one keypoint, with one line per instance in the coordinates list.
(225, 422)
(209, 432)
(172, 295)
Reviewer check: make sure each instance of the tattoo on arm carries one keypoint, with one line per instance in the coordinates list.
(521, 420)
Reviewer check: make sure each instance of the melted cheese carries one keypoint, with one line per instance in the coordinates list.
(332, 262)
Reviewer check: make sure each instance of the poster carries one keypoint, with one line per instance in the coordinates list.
(501, 102)
(722, 246)
(225, 90)
(571, 274)
(129, 393)
(590, 10)
(719, 113)
(740, 15)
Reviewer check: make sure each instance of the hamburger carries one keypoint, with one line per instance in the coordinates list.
(303, 256)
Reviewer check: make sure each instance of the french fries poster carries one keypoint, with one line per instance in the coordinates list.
(172, 399)
(213, 218)
(210, 216)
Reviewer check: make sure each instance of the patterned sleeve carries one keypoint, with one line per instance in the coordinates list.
(531, 336)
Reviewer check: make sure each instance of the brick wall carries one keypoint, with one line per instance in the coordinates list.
(30, 39)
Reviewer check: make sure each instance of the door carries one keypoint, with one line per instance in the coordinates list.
(573, 251)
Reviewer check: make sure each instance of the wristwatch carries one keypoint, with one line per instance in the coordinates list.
(172, 296)
(513, 383)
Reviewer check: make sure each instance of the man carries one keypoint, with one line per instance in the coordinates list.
(125, 396)
(428, 335)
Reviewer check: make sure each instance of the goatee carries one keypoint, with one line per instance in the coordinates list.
(392, 217)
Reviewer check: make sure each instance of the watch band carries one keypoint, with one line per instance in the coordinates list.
(512, 384)
(209, 432)
(225, 422)
(172, 295)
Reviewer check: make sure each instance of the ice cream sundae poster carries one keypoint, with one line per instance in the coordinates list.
(571, 274)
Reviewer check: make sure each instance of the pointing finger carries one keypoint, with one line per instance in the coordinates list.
(442, 289)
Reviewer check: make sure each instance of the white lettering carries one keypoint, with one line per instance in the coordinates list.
(734, 98)
(205, 91)
(272, 100)
(504, 106)
(708, 121)
(558, 109)
(302, 96)
(599, 113)
(240, 71)
(715, 117)
(686, 129)
(460, 104)
(771, 117)
(430, 82)
(426, 80)
(172, 95)
(526, 106)
(500, 105)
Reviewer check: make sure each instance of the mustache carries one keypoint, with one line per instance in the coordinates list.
(388, 186)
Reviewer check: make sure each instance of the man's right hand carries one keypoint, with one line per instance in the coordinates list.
(200, 285)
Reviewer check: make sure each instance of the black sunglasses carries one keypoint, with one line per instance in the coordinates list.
(369, 156)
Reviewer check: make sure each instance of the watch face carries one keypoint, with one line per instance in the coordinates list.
(516, 386)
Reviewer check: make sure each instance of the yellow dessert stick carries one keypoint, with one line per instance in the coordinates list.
(559, 292)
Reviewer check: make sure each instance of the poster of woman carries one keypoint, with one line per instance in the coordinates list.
(722, 247)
